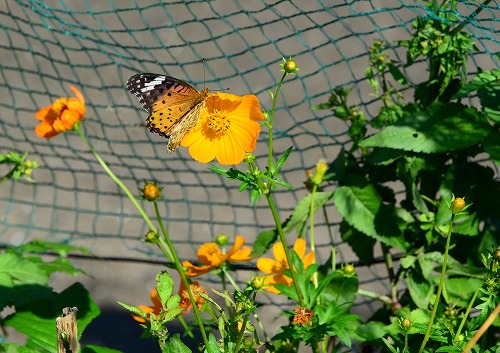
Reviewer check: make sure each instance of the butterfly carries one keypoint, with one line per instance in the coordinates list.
(174, 106)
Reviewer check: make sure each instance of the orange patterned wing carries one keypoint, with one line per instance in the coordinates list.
(174, 106)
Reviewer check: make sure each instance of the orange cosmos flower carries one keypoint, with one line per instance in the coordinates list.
(227, 129)
(185, 302)
(275, 268)
(60, 116)
(211, 256)
(155, 309)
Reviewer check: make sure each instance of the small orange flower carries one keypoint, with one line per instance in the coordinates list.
(211, 256)
(228, 128)
(275, 268)
(302, 316)
(60, 116)
(155, 309)
(195, 288)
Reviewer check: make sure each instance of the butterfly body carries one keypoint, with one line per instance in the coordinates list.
(174, 106)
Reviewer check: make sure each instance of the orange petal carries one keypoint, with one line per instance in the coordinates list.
(300, 247)
(242, 255)
(45, 130)
(210, 254)
(266, 265)
(279, 252)
(69, 119)
(78, 94)
(193, 270)
(77, 107)
(41, 114)
(146, 309)
(308, 259)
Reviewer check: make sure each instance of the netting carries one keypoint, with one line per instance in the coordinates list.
(45, 46)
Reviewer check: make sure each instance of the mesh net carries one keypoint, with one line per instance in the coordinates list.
(46, 46)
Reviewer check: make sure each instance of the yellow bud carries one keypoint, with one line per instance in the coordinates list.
(151, 237)
(406, 324)
(457, 205)
(151, 192)
(349, 270)
(258, 282)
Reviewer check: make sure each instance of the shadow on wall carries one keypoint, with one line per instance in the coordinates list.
(116, 329)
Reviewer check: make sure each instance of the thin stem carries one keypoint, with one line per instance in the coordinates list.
(395, 305)
(482, 329)
(311, 230)
(372, 295)
(470, 18)
(466, 314)
(288, 256)
(270, 122)
(7, 176)
(116, 179)
(440, 288)
(180, 270)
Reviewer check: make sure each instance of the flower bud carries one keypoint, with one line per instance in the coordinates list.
(349, 270)
(406, 324)
(496, 255)
(258, 282)
(457, 205)
(151, 237)
(151, 192)
(321, 168)
(221, 239)
(249, 158)
(289, 66)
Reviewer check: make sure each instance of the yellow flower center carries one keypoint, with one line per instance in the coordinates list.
(218, 122)
(59, 105)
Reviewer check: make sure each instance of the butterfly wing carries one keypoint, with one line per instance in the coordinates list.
(174, 106)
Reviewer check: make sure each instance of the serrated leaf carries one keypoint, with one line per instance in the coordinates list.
(213, 346)
(40, 246)
(175, 345)
(490, 102)
(134, 310)
(20, 269)
(164, 287)
(420, 289)
(484, 79)
(440, 128)
(264, 242)
(362, 208)
(491, 145)
(37, 320)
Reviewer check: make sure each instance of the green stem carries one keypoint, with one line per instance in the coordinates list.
(440, 288)
(395, 305)
(288, 256)
(466, 314)
(311, 230)
(180, 270)
(470, 18)
(116, 179)
(270, 122)
(7, 176)
(372, 295)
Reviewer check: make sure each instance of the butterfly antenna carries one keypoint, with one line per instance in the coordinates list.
(204, 79)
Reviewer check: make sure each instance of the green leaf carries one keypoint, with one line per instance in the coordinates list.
(213, 346)
(21, 270)
(58, 265)
(362, 208)
(37, 320)
(15, 348)
(164, 287)
(440, 128)
(461, 290)
(484, 79)
(420, 289)
(40, 247)
(491, 145)
(97, 349)
(175, 345)
(283, 159)
(264, 242)
(489, 98)
(134, 310)
(359, 242)
(371, 331)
